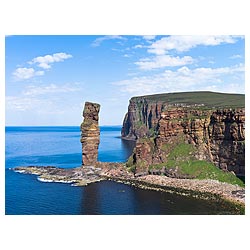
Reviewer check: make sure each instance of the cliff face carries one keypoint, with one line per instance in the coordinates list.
(90, 136)
(226, 140)
(218, 135)
(142, 118)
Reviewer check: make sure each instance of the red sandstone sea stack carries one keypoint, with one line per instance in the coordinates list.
(90, 137)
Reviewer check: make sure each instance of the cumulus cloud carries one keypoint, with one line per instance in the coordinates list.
(26, 73)
(149, 37)
(163, 61)
(46, 61)
(185, 43)
(97, 42)
(186, 79)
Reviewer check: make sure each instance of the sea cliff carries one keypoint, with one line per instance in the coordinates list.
(208, 126)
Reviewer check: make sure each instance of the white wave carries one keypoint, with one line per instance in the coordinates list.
(44, 180)
(49, 180)
(19, 171)
(64, 181)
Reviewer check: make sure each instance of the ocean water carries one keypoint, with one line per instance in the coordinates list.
(61, 147)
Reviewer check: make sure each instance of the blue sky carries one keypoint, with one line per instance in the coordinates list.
(48, 78)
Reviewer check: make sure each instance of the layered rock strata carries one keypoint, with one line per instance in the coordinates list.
(217, 134)
(141, 119)
(144, 112)
(90, 136)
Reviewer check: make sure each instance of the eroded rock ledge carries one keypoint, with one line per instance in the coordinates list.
(85, 175)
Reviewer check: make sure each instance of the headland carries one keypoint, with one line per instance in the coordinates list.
(189, 143)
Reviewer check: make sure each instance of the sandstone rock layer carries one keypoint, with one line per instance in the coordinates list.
(213, 122)
(90, 136)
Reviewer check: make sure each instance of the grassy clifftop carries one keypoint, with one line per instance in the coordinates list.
(209, 99)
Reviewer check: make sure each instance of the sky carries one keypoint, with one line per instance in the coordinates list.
(49, 78)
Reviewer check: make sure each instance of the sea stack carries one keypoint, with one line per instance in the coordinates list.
(90, 137)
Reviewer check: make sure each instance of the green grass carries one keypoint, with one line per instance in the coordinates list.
(129, 162)
(152, 132)
(206, 170)
(139, 123)
(209, 99)
(181, 157)
(201, 170)
(181, 150)
(165, 147)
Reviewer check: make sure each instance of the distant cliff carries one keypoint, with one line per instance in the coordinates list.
(212, 124)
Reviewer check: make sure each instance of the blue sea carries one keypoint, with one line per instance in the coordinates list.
(61, 147)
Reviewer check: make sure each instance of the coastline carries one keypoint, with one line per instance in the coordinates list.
(237, 197)
(82, 176)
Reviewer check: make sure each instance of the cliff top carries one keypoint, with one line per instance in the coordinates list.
(202, 98)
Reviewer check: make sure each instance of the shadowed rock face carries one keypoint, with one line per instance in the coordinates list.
(90, 137)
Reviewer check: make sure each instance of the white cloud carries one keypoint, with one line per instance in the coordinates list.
(185, 79)
(185, 43)
(46, 61)
(97, 42)
(127, 55)
(235, 56)
(26, 73)
(138, 46)
(149, 37)
(211, 62)
(163, 61)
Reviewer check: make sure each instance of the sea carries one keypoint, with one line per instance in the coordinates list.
(61, 147)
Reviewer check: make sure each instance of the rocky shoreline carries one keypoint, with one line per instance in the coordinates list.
(84, 175)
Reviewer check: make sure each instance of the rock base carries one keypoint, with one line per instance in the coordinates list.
(84, 175)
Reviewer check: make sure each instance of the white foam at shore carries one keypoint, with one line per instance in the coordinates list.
(44, 180)
(19, 171)
(48, 180)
